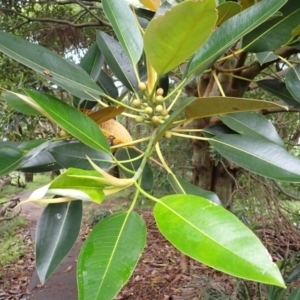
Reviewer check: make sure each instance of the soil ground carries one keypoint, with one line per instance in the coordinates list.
(156, 277)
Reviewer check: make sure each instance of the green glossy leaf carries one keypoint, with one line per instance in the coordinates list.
(217, 129)
(107, 84)
(210, 234)
(109, 255)
(147, 175)
(294, 275)
(292, 81)
(71, 120)
(63, 73)
(75, 155)
(9, 143)
(125, 27)
(253, 124)
(259, 156)
(170, 39)
(227, 10)
(278, 89)
(276, 32)
(12, 158)
(295, 295)
(29, 145)
(92, 62)
(117, 60)
(18, 104)
(44, 161)
(144, 13)
(77, 183)
(265, 57)
(230, 32)
(212, 106)
(181, 186)
(56, 233)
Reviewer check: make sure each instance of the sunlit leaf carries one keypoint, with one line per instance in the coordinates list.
(78, 183)
(56, 233)
(151, 4)
(210, 234)
(170, 39)
(109, 255)
(227, 10)
(18, 104)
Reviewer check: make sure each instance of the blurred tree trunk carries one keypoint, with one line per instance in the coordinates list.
(28, 177)
(54, 174)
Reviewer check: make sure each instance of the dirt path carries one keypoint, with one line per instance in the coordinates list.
(154, 277)
(62, 284)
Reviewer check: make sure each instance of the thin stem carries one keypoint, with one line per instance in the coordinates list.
(137, 192)
(148, 152)
(188, 130)
(190, 136)
(218, 83)
(209, 86)
(174, 101)
(130, 160)
(180, 86)
(150, 158)
(130, 143)
(286, 61)
(114, 101)
(145, 193)
(160, 156)
(238, 77)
